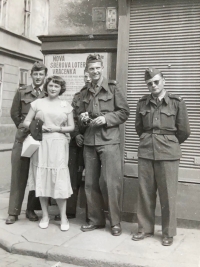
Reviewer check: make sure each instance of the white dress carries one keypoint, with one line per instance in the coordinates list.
(48, 172)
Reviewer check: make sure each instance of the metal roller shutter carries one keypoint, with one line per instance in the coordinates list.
(166, 35)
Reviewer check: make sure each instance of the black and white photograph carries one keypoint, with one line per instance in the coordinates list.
(99, 133)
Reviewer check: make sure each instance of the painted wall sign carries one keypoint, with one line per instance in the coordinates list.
(98, 14)
(71, 68)
(111, 18)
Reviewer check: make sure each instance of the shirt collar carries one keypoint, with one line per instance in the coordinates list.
(161, 96)
(102, 82)
(39, 88)
(164, 96)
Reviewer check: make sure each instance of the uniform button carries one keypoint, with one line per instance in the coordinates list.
(95, 105)
(156, 118)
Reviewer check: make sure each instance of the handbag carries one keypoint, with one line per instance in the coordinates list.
(30, 145)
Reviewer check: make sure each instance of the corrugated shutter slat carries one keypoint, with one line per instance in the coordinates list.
(166, 35)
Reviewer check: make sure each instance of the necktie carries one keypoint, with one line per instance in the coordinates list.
(37, 90)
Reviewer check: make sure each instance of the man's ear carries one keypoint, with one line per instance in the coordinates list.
(163, 80)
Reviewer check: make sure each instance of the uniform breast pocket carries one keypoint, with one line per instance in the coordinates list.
(146, 118)
(168, 118)
(106, 103)
(26, 105)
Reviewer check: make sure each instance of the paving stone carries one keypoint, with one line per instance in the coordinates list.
(3, 214)
(3, 203)
(19, 227)
(7, 240)
(97, 240)
(52, 235)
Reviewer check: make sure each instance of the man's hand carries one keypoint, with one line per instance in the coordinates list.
(84, 116)
(79, 140)
(101, 120)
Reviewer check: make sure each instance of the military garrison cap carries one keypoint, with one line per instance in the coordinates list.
(92, 58)
(37, 66)
(150, 73)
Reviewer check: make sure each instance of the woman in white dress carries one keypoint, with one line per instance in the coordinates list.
(48, 172)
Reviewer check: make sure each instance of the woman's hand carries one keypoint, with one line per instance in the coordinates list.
(50, 129)
(45, 129)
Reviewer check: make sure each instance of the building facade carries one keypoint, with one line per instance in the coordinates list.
(21, 22)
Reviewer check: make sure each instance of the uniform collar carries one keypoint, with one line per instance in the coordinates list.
(103, 83)
(30, 89)
(165, 97)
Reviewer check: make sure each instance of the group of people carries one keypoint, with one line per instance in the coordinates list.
(93, 120)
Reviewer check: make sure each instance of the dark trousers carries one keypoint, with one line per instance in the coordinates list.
(103, 180)
(20, 170)
(162, 176)
(76, 166)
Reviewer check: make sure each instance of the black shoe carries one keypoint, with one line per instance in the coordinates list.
(167, 241)
(91, 227)
(116, 230)
(31, 215)
(69, 216)
(11, 219)
(140, 236)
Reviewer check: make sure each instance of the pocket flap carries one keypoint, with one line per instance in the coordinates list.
(168, 112)
(27, 100)
(144, 112)
(86, 100)
(105, 97)
(172, 138)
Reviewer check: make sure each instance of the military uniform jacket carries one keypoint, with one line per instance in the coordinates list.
(161, 127)
(78, 130)
(20, 108)
(109, 102)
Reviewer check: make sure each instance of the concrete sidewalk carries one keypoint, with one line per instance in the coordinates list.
(97, 248)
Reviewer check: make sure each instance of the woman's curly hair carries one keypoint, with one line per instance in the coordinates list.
(55, 79)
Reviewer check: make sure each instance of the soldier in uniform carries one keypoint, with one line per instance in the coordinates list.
(20, 165)
(76, 162)
(162, 125)
(107, 109)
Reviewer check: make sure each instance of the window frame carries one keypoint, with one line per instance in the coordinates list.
(3, 13)
(24, 71)
(27, 17)
(1, 86)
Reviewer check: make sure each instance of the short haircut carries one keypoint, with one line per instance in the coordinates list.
(55, 79)
(38, 66)
(93, 58)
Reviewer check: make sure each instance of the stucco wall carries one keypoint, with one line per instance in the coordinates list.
(75, 17)
(11, 68)
(39, 18)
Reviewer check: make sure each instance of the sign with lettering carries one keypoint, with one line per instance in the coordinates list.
(111, 18)
(71, 68)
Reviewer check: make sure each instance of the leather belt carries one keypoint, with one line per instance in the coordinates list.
(165, 132)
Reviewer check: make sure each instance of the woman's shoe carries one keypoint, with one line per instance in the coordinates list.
(44, 225)
(64, 227)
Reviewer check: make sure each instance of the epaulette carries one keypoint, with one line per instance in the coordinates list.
(112, 82)
(177, 97)
(23, 87)
(144, 97)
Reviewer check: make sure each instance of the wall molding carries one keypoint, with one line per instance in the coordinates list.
(59, 44)
(18, 55)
